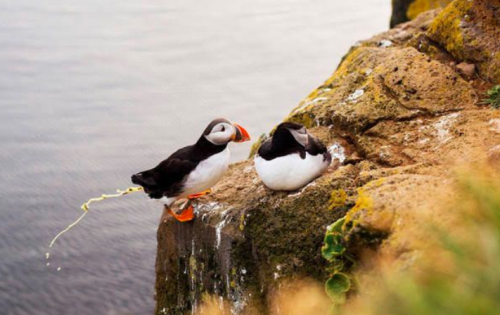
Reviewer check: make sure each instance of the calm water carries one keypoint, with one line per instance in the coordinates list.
(92, 91)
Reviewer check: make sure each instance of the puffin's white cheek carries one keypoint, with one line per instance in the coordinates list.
(220, 137)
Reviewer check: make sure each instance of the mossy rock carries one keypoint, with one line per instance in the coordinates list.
(470, 31)
(406, 10)
(419, 6)
(239, 246)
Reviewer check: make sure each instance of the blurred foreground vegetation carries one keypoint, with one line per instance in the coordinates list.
(462, 278)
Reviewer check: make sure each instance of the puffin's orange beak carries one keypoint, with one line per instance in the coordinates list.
(241, 135)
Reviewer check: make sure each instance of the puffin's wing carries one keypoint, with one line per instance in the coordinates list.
(315, 147)
(167, 178)
(265, 148)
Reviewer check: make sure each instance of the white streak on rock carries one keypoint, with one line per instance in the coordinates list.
(219, 227)
(337, 152)
(424, 141)
(495, 125)
(312, 102)
(443, 126)
(385, 43)
(354, 96)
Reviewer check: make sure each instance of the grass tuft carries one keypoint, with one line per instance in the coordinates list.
(493, 97)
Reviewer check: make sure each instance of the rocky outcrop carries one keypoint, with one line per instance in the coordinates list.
(399, 112)
(245, 239)
(470, 32)
(406, 10)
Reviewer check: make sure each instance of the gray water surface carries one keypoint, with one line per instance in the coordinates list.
(93, 91)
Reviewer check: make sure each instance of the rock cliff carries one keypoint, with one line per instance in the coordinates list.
(402, 109)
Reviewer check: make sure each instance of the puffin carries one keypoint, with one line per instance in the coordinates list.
(291, 158)
(190, 172)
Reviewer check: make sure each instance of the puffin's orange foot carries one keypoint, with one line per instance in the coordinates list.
(185, 216)
(199, 195)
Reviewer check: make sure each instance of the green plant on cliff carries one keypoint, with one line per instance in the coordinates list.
(339, 235)
(334, 251)
(493, 97)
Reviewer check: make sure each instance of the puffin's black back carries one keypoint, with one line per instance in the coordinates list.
(167, 179)
(283, 143)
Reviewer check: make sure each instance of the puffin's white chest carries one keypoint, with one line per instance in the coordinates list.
(290, 172)
(207, 173)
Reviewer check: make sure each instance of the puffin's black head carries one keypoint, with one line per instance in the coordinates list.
(292, 133)
(221, 131)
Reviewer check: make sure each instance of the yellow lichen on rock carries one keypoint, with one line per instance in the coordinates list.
(363, 207)
(378, 83)
(338, 198)
(242, 222)
(303, 117)
(419, 6)
(447, 28)
(470, 31)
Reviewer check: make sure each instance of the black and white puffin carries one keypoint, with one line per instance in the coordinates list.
(191, 171)
(291, 159)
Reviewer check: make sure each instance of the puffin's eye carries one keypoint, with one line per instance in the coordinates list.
(223, 129)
